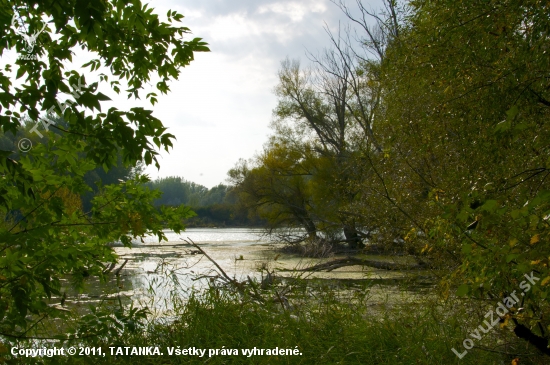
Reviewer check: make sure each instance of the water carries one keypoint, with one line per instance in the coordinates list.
(156, 272)
(233, 236)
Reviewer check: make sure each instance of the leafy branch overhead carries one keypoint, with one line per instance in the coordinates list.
(128, 40)
(58, 219)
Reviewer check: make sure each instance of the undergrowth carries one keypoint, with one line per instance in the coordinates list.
(326, 329)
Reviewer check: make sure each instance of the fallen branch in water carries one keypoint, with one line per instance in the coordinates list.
(209, 258)
(249, 287)
(112, 266)
(117, 273)
(352, 261)
(235, 283)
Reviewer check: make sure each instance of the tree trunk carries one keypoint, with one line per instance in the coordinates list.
(352, 236)
(310, 227)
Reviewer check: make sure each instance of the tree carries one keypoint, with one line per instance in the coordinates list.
(278, 188)
(333, 105)
(319, 102)
(174, 191)
(50, 238)
(464, 124)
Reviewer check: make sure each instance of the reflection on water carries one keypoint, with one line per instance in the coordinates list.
(233, 236)
(159, 270)
(156, 272)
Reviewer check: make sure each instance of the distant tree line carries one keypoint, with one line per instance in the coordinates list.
(217, 206)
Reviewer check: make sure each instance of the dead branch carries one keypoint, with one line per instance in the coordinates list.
(111, 267)
(227, 278)
(235, 283)
(120, 268)
(352, 261)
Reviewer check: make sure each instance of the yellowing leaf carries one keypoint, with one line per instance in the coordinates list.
(505, 323)
(535, 239)
(536, 262)
(545, 280)
(513, 242)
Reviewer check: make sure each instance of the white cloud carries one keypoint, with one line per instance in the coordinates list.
(294, 10)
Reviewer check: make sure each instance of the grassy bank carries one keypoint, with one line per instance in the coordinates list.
(325, 329)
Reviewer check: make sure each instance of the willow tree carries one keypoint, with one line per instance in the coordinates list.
(277, 186)
(317, 102)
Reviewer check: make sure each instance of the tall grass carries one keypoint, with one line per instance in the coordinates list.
(325, 328)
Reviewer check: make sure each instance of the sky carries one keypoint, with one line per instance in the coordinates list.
(221, 106)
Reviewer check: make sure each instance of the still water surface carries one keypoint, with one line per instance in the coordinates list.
(156, 271)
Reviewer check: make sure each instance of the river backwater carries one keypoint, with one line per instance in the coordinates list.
(156, 271)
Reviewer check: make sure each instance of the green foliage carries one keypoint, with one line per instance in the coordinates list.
(45, 234)
(465, 119)
(278, 187)
(105, 324)
(217, 206)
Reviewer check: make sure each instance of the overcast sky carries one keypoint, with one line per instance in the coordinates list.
(221, 106)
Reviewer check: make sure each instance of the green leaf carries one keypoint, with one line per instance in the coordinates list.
(503, 126)
(511, 257)
(490, 206)
(462, 290)
(512, 113)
